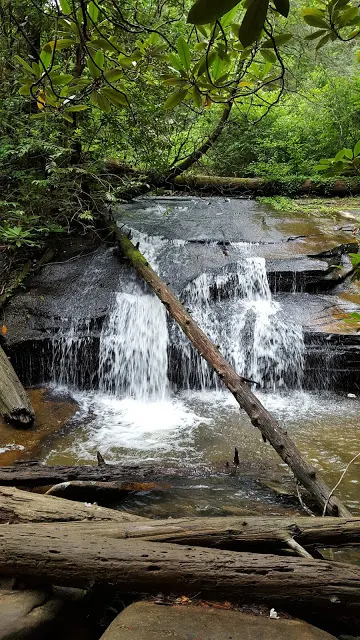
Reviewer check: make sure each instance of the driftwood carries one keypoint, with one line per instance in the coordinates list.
(15, 406)
(259, 416)
(69, 554)
(23, 506)
(101, 492)
(233, 533)
(35, 474)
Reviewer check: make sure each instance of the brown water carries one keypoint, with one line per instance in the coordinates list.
(197, 433)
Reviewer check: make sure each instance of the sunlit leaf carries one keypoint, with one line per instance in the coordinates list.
(75, 108)
(184, 52)
(279, 40)
(357, 149)
(62, 43)
(63, 78)
(115, 97)
(24, 64)
(93, 12)
(65, 7)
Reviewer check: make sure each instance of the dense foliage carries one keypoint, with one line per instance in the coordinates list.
(162, 87)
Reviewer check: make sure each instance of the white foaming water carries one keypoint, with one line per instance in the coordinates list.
(253, 335)
(133, 348)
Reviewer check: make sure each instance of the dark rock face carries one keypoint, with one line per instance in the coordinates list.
(215, 236)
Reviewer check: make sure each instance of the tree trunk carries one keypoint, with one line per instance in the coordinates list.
(259, 416)
(204, 148)
(67, 554)
(23, 506)
(14, 403)
(35, 474)
(264, 186)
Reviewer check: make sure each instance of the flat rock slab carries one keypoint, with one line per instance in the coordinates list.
(26, 614)
(148, 621)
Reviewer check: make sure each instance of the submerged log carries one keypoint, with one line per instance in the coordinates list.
(35, 474)
(23, 506)
(64, 554)
(15, 406)
(101, 492)
(259, 416)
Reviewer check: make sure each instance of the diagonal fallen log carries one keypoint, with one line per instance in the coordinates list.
(61, 554)
(101, 492)
(259, 416)
(15, 406)
(22, 506)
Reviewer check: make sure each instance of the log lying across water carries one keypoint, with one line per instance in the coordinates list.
(22, 506)
(72, 554)
(15, 406)
(35, 474)
(259, 416)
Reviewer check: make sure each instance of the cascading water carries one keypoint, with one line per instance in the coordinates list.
(250, 331)
(233, 306)
(134, 347)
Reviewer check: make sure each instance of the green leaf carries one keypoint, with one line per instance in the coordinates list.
(113, 75)
(25, 89)
(63, 78)
(94, 70)
(355, 259)
(315, 18)
(283, 7)
(175, 98)
(323, 41)
(206, 11)
(316, 34)
(348, 153)
(116, 98)
(75, 108)
(62, 43)
(125, 62)
(100, 101)
(197, 97)
(65, 7)
(24, 64)
(184, 52)
(279, 40)
(357, 149)
(228, 17)
(347, 17)
(93, 12)
(269, 56)
(99, 59)
(206, 62)
(253, 22)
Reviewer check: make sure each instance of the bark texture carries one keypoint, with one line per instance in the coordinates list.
(15, 406)
(22, 506)
(257, 413)
(61, 554)
(35, 474)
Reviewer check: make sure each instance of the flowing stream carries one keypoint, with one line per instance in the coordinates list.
(154, 398)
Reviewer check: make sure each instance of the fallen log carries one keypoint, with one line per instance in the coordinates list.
(15, 406)
(232, 533)
(61, 554)
(35, 474)
(101, 492)
(263, 186)
(22, 506)
(259, 416)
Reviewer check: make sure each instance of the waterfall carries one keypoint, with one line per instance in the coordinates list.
(250, 331)
(233, 306)
(133, 348)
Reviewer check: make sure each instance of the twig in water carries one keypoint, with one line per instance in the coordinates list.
(340, 480)
(306, 509)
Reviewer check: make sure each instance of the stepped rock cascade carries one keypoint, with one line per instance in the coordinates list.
(251, 332)
(139, 345)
